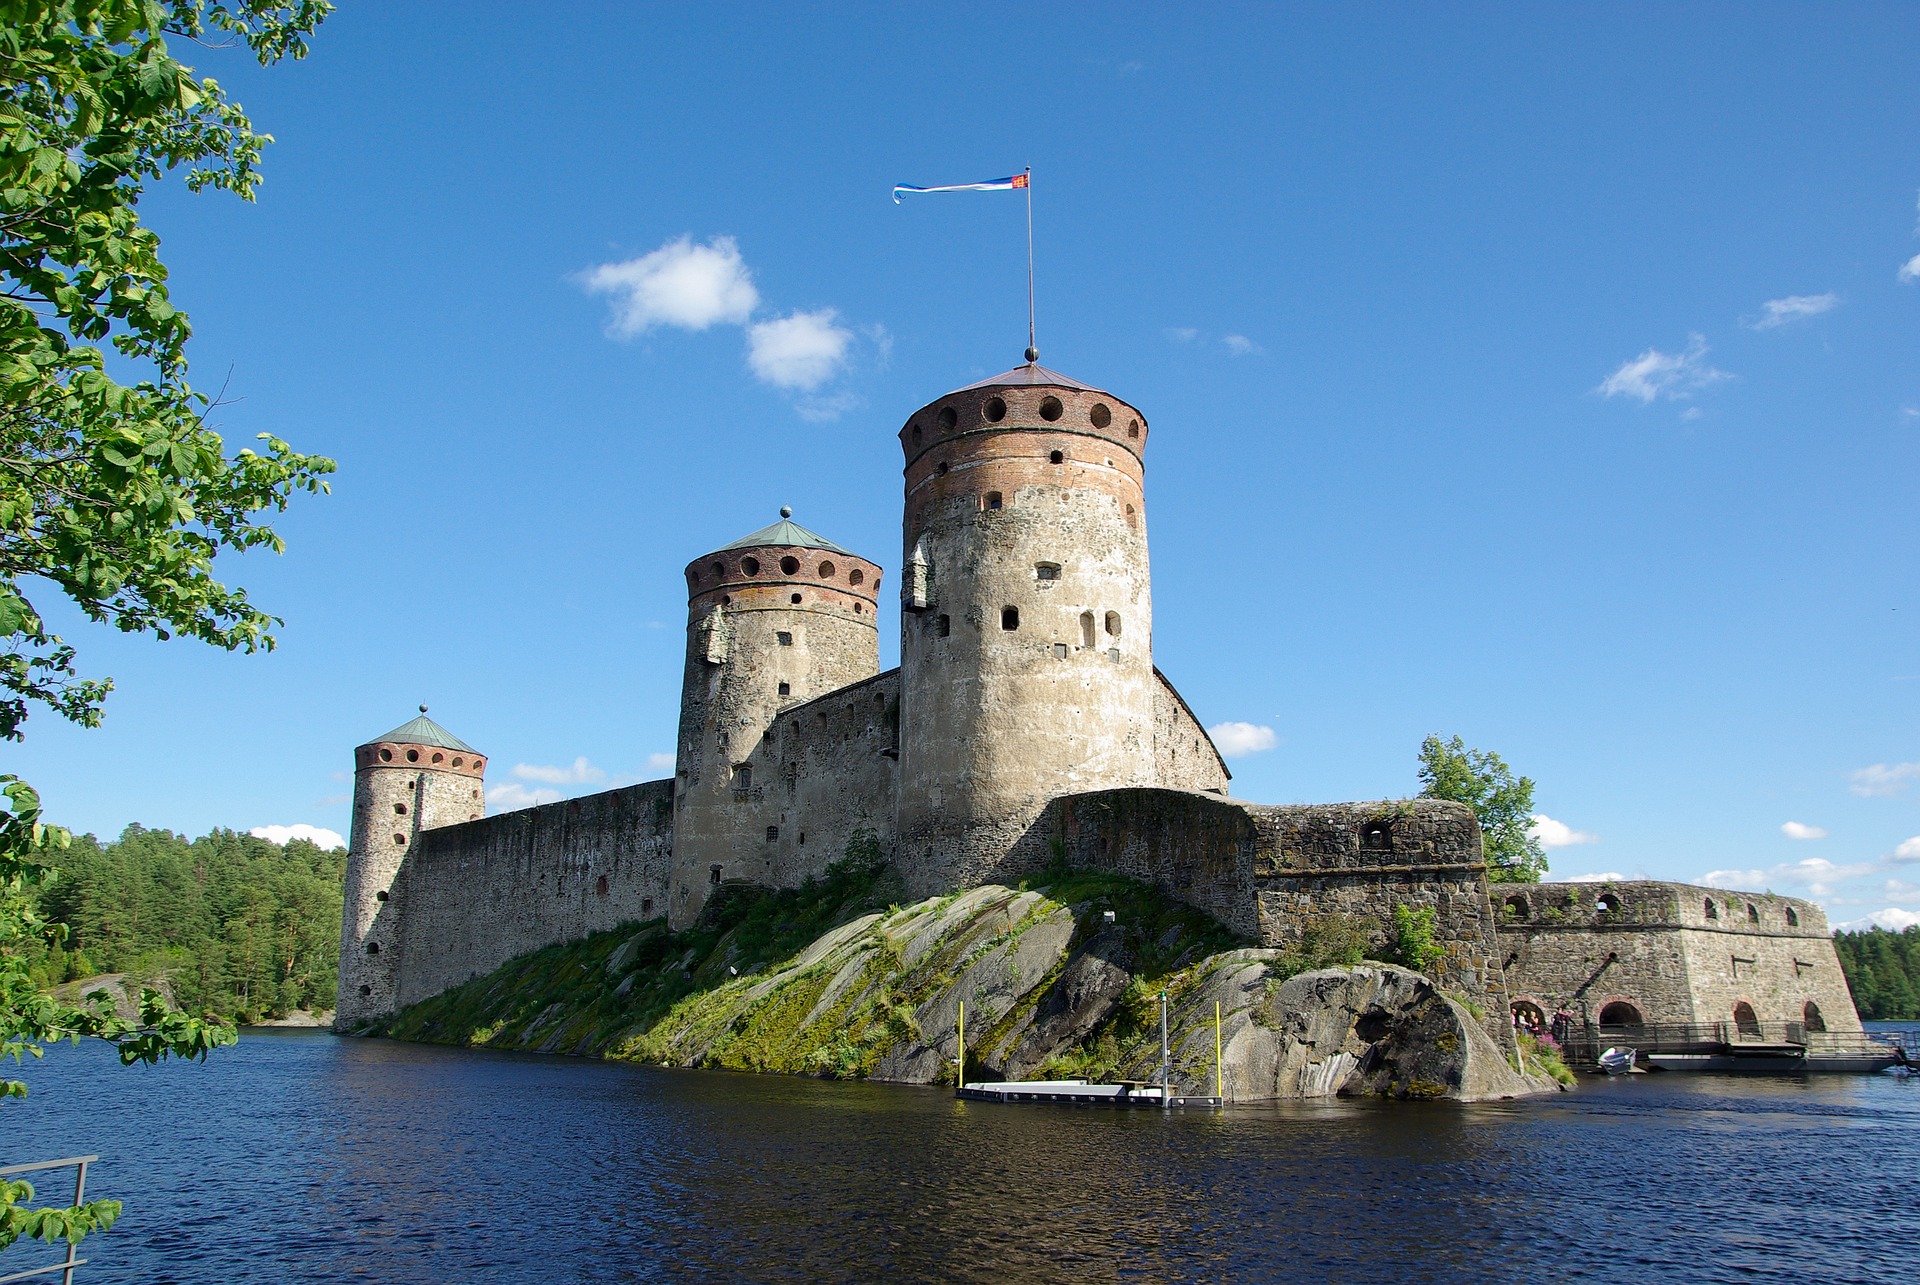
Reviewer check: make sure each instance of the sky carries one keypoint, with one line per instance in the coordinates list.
(1542, 375)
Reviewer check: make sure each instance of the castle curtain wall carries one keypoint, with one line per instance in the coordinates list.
(1658, 947)
(474, 895)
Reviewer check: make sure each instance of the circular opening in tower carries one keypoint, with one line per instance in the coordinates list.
(750, 565)
(948, 419)
(995, 410)
(1133, 428)
(1057, 457)
(1100, 415)
(413, 756)
(386, 756)
(1051, 409)
(826, 570)
(855, 576)
(789, 565)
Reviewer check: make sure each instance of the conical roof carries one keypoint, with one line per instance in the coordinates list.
(786, 532)
(424, 731)
(1031, 374)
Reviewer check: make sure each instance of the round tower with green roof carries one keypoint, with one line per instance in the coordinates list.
(775, 618)
(417, 777)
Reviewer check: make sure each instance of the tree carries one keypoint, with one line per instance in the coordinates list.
(1482, 780)
(118, 495)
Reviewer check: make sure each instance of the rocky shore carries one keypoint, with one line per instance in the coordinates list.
(1060, 980)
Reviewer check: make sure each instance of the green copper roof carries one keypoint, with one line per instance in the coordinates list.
(424, 731)
(786, 532)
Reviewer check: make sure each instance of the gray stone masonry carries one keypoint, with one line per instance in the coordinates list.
(1271, 872)
(1671, 953)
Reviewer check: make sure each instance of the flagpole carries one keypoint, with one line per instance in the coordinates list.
(1033, 348)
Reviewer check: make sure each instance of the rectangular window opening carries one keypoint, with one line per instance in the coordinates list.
(1009, 618)
(786, 639)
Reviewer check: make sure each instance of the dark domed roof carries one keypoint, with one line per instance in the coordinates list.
(1033, 373)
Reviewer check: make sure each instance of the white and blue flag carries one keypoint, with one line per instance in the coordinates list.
(1012, 182)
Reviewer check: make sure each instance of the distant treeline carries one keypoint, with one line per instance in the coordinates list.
(1883, 968)
(239, 926)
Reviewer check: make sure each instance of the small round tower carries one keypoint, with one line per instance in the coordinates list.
(417, 777)
(773, 619)
(1026, 631)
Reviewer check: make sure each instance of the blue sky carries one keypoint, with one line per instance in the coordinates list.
(1540, 374)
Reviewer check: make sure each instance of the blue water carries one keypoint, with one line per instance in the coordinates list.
(298, 1156)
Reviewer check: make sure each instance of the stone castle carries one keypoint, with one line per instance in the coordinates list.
(1026, 723)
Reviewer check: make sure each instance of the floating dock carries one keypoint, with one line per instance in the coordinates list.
(1081, 1093)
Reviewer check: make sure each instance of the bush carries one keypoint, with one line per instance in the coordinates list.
(1412, 945)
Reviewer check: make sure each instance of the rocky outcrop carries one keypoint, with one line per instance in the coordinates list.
(1058, 982)
(1372, 1029)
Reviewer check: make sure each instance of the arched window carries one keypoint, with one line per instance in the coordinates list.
(1793, 918)
(1746, 1020)
(1086, 629)
(1113, 624)
(1009, 618)
(1810, 1015)
(1607, 905)
(1753, 913)
(1375, 836)
(1713, 910)
(600, 886)
(1515, 907)
(742, 779)
(991, 500)
(1620, 1014)
(373, 948)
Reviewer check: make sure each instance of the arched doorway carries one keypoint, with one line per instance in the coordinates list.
(1811, 1015)
(1528, 1017)
(1746, 1021)
(1621, 1015)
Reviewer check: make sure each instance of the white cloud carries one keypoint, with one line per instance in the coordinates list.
(1910, 270)
(801, 350)
(1656, 374)
(283, 834)
(579, 772)
(1241, 346)
(1741, 879)
(1558, 834)
(1236, 740)
(1893, 918)
(1795, 830)
(1780, 311)
(509, 796)
(1883, 779)
(1605, 876)
(1909, 850)
(1181, 334)
(660, 762)
(1899, 888)
(680, 284)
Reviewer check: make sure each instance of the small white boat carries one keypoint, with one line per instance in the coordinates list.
(1617, 1061)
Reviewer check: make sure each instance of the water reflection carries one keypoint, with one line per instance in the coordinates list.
(300, 1157)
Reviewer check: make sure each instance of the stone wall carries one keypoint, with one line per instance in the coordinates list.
(1184, 756)
(1673, 952)
(832, 770)
(474, 895)
(1271, 872)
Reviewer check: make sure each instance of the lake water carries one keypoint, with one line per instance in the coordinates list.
(298, 1156)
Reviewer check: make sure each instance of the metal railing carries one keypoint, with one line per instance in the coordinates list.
(1584, 1044)
(66, 1265)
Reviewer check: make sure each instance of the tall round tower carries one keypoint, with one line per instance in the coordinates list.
(417, 777)
(1026, 632)
(773, 619)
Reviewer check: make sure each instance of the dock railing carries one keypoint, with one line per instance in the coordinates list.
(1787, 1040)
(65, 1266)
